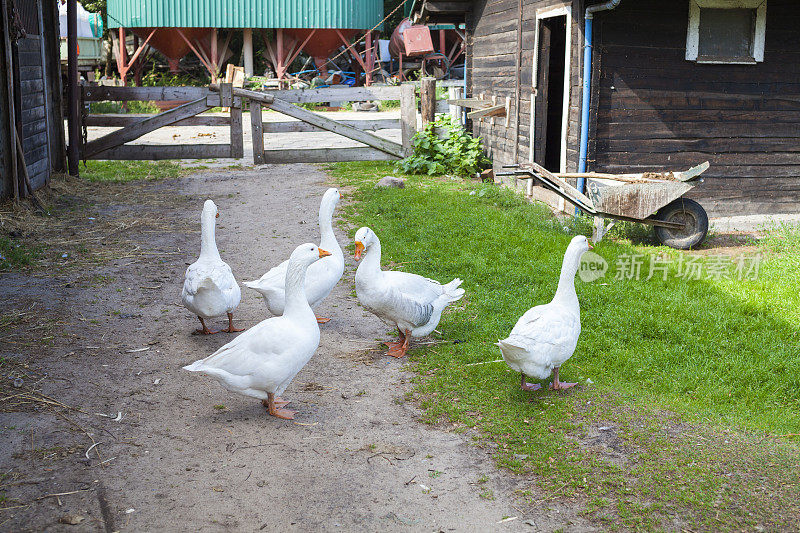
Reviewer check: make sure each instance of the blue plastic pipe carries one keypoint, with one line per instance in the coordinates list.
(587, 86)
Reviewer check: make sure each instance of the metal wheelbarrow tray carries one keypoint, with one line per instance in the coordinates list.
(650, 198)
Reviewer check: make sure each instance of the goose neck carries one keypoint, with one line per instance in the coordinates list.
(372, 259)
(296, 301)
(208, 242)
(328, 241)
(565, 293)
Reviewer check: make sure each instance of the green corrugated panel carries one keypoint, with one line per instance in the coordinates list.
(356, 14)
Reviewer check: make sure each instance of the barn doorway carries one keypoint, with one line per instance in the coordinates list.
(552, 90)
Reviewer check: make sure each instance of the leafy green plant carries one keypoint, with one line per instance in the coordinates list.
(456, 152)
(160, 79)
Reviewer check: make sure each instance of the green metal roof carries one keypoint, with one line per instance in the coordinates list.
(355, 14)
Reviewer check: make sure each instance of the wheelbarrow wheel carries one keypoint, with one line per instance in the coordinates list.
(687, 212)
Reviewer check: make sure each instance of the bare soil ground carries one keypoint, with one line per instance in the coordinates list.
(100, 427)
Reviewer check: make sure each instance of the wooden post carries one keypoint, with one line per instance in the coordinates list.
(258, 132)
(12, 124)
(408, 114)
(427, 95)
(237, 136)
(73, 100)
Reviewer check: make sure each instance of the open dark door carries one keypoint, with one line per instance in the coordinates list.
(550, 92)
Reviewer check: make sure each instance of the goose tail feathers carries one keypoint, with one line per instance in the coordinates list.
(452, 290)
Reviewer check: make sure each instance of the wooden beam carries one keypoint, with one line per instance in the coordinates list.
(149, 152)
(469, 102)
(326, 155)
(491, 111)
(147, 125)
(258, 134)
(408, 115)
(102, 92)
(331, 94)
(427, 97)
(109, 120)
(298, 126)
(237, 134)
(336, 127)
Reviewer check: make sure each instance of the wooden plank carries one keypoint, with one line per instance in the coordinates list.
(258, 134)
(94, 93)
(491, 111)
(427, 97)
(114, 120)
(158, 152)
(330, 94)
(408, 115)
(300, 126)
(237, 135)
(336, 127)
(147, 125)
(326, 155)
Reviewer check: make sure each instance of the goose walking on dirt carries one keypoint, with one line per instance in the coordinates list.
(322, 276)
(209, 288)
(261, 362)
(411, 303)
(546, 335)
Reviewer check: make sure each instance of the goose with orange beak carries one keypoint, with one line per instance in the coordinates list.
(209, 288)
(546, 335)
(264, 360)
(411, 303)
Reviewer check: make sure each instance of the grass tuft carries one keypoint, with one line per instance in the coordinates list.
(121, 171)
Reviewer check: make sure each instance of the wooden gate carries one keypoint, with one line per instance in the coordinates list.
(193, 101)
(374, 147)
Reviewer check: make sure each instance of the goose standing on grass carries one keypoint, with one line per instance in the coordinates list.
(546, 335)
(322, 276)
(411, 303)
(261, 362)
(209, 288)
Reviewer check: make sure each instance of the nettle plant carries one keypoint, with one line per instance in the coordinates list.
(457, 152)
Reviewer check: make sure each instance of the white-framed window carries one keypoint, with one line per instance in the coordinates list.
(726, 31)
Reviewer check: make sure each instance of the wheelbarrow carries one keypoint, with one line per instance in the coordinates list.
(655, 199)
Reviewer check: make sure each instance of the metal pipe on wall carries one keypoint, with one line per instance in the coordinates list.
(587, 84)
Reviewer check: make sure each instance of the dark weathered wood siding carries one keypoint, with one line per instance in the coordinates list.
(34, 110)
(493, 56)
(658, 110)
(651, 108)
(40, 96)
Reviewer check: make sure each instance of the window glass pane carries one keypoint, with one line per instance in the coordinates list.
(726, 32)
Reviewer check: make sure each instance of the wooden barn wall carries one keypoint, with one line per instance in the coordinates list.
(34, 110)
(492, 44)
(657, 110)
(40, 94)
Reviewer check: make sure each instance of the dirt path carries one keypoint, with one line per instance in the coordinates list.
(189, 456)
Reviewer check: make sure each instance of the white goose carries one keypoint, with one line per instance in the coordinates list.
(411, 303)
(322, 276)
(209, 288)
(261, 362)
(546, 335)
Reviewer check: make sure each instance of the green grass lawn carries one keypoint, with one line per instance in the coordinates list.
(695, 383)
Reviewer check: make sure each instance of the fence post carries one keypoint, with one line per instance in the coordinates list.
(237, 136)
(408, 114)
(427, 95)
(258, 132)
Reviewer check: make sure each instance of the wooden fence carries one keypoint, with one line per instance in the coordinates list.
(193, 101)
